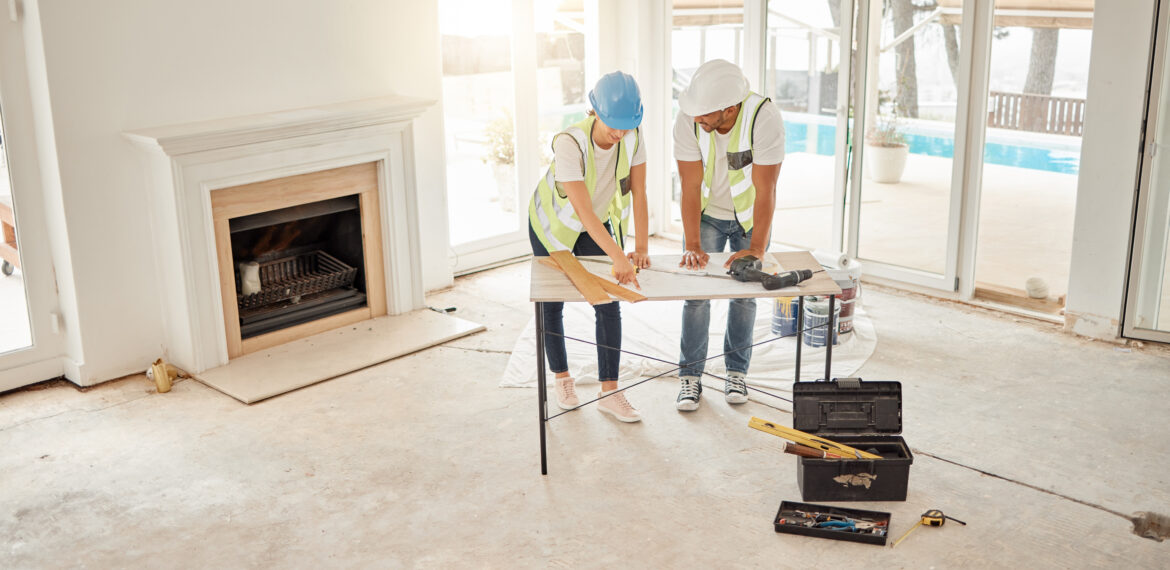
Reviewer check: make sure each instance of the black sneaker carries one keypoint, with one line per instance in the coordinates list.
(735, 389)
(688, 394)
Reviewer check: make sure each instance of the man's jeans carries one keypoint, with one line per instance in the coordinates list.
(741, 313)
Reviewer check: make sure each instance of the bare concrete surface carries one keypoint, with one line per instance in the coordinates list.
(1042, 442)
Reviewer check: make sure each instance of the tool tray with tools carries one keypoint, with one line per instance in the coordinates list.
(863, 415)
(836, 523)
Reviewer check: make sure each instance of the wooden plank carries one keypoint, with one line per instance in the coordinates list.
(289, 191)
(372, 251)
(610, 287)
(1018, 298)
(589, 288)
(227, 286)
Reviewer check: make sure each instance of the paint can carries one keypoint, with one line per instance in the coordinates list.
(784, 316)
(849, 280)
(816, 315)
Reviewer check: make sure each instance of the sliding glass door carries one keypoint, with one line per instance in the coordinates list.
(513, 76)
(1147, 308)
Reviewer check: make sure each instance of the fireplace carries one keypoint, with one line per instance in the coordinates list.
(298, 255)
(291, 191)
(297, 264)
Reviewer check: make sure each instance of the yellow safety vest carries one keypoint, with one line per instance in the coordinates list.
(739, 160)
(550, 213)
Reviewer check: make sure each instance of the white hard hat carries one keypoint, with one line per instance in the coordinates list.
(717, 84)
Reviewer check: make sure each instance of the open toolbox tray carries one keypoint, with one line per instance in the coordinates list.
(788, 509)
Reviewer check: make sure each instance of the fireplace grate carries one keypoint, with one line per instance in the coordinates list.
(295, 276)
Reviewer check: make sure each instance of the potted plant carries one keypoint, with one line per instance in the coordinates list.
(885, 151)
(501, 155)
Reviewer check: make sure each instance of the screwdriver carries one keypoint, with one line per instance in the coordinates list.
(933, 517)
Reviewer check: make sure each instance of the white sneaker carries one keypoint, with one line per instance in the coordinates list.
(735, 389)
(618, 406)
(566, 393)
(688, 394)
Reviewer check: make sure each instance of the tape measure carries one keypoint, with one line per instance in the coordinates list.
(933, 517)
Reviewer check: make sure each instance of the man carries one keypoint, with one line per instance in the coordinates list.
(729, 143)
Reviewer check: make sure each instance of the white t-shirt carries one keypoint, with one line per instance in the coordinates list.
(571, 168)
(767, 148)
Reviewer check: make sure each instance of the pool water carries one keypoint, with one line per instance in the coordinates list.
(1063, 160)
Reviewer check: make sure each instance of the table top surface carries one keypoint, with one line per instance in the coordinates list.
(675, 283)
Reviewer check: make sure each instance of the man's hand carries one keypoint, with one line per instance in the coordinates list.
(744, 253)
(694, 259)
(640, 259)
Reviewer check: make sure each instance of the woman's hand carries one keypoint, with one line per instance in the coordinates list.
(625, 272)
(640, 259)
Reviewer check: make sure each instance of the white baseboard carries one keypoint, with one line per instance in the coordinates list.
(31, 373)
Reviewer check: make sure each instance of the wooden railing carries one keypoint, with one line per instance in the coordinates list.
(1036, 113)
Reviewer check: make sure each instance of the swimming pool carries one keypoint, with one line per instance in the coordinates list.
(1056, 155)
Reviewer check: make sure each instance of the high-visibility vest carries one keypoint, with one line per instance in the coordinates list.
(551, 214)
(739, 160)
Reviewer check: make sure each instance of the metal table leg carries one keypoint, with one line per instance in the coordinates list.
(799, 333)
(832, 328)
(541, 390)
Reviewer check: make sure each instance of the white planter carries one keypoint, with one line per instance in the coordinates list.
(885, 164)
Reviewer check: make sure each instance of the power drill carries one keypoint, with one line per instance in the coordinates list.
(747, 268)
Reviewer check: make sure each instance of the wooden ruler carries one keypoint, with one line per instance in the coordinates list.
(810, 440)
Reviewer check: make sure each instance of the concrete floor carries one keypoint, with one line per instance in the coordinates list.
(1044, 443)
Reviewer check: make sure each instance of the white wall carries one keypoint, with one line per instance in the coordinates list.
(120, 65)
(1118, 70)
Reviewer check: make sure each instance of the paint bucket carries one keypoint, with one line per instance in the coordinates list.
(784, 316)
(816, 314)
(849, 280)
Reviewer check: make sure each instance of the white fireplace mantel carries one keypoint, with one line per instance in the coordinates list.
(186, 163)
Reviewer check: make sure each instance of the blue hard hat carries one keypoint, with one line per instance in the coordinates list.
(617, 101)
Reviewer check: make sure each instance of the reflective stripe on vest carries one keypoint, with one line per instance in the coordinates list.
(739, 160)
(551, 214)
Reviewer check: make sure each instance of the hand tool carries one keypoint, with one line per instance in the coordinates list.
(806, 451)
(810, 440)
(748, 268)
(933, 517)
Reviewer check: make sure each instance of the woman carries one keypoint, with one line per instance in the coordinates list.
(599, 167)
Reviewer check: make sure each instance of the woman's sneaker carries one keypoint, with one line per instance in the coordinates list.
(566, 393)
(735, 389)
(618, 406)
(688, 394)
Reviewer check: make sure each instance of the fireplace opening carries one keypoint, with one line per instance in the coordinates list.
(298, 264)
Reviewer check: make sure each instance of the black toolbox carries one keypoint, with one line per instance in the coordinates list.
(791, 519)
(863, 415)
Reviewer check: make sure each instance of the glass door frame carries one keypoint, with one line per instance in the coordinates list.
(1140, 252)
(963, 212)
(502, 248)
(43, 359)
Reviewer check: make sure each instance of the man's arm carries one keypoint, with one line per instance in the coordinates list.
(690, 175)
(764, 177)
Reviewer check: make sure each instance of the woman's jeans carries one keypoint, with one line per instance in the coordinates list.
(714, 234)
(609, 320)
